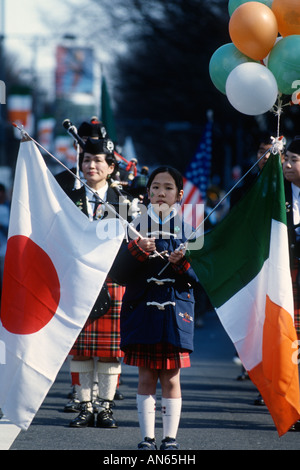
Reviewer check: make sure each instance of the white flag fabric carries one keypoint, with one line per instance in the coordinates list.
(56, 263)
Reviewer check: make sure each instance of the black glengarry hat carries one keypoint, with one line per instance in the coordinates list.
(294, 146)
(94, 129)
(98, 146)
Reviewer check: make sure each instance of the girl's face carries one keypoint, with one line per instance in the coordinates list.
(96, 170)
(163, 192)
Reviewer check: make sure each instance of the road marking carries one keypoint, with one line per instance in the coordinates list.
(8, 433)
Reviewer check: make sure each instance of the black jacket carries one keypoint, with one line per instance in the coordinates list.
(294, 246)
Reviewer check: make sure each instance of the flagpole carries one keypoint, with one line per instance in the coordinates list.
(276, 147)
(111, 208)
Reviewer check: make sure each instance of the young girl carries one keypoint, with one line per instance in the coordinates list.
(157, 312)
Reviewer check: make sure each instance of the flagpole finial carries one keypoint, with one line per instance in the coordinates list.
(24, 134)
(278, 144)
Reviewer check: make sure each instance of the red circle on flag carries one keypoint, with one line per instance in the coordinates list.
(31, 288)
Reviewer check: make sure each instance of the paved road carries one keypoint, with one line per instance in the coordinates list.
(218, 411)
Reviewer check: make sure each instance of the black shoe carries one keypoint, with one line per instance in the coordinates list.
(73, 406)
(259, 401)
(85, 418)
(147, 444)
(118, 395)
(169, 443)
(105, 419)
(295, 427)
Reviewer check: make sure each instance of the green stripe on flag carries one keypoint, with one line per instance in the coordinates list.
(236, 249)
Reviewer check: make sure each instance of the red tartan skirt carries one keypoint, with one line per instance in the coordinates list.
(156, 356)
(101, 337)
(296, 295)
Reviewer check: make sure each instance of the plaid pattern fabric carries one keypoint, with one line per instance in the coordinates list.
(296, 294)
(156, 356)
(182, 267)
(142, 255)
(137, 251)
(101, 337)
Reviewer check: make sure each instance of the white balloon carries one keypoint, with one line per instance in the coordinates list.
(251, 89)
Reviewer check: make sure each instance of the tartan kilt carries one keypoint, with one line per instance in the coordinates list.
(156, 356)
(296, 294)
(101, 337)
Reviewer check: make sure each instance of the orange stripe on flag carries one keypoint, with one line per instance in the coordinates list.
(276, 377)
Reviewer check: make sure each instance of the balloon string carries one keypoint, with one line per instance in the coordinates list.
(279, 111)
(278, 124)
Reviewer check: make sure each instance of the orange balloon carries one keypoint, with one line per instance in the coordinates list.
(287, 13)
(253, 29)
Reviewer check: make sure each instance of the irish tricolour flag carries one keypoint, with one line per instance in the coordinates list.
(244, 268)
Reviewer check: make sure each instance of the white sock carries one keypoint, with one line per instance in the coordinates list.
(108, 375)
(146, 414)
(171, 411)
(84, 371)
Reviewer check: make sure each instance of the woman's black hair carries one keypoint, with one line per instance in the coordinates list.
(176, 175)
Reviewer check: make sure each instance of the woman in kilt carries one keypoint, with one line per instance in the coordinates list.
(100, 336)
(157, 313)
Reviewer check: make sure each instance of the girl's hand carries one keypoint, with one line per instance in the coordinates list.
(176, 256)
(147, 244)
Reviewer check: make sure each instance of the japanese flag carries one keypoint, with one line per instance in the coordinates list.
(55, 265)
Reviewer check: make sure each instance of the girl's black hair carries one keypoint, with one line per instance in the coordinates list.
(176, 175)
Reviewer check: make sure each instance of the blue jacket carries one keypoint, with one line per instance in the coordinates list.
(156, 308)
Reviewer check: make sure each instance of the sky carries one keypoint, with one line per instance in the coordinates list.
(26, 36)
(21, 16)
(25, 31)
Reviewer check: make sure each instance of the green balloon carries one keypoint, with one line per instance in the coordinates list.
(234, 4)
(284, 63)
(222, 62)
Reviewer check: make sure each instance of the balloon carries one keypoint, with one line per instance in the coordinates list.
(233, 4)
(284, 63)
(253, 29)
(287, 13)
(266, 59)
(222, 62)
(251, 89)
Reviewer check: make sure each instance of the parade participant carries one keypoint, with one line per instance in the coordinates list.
(291, 172)
(100, 337)
(94, 129)
(138, 186)
(157, 315)
(265, 143)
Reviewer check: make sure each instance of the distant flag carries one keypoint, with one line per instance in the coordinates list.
(19, 108)
(55, 265)
(106, 112)
(197, 175)
(45, 128)
(244, 268)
